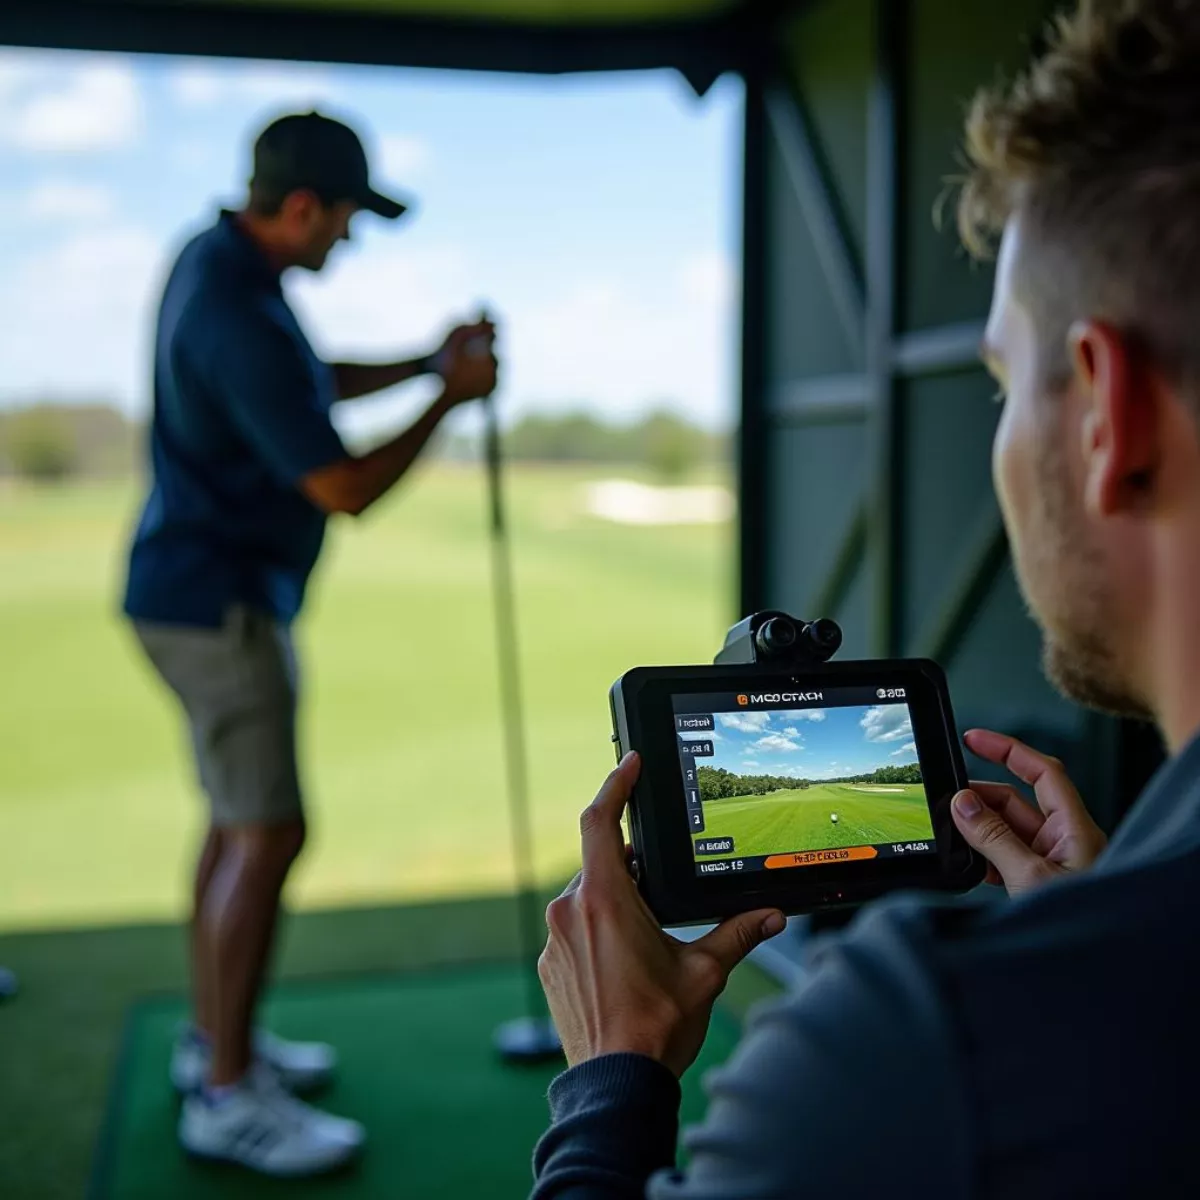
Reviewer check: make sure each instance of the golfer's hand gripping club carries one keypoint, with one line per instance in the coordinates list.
(470, 368)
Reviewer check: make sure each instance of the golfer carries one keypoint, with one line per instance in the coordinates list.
(246, 466)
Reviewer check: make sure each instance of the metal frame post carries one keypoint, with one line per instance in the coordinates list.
(885, 123)
(752, 476)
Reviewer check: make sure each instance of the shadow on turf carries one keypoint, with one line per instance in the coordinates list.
(62, 1034)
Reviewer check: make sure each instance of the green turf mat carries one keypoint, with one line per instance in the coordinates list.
(445, 1117)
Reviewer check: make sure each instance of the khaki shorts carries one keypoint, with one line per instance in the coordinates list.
(237, 685)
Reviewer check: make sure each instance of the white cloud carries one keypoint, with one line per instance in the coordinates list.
(75, 318)
(887, 723)
(19, 68)
(294, 85)
(385, 297)
(804, 714)
(201, 83)
(791, 731)
(751, 722)
(400, 158)
(196, 85)
(68, 200)
(907, 748)
(709, 278)
(384, 302)
(603, 345)
(675, 348)
(611, 340)
(194, 155)
(749, 762)
(56, 104)
(775, 741)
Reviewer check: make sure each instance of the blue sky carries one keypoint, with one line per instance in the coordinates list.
(596, 216)
(813, 743)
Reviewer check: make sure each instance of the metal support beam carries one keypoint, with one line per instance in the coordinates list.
(987, 552)
(702, 49)
(753, 507)
(832, 592)
(885, 197)
(938, 351)
(920, 355)
(821, 400)
(797, 146)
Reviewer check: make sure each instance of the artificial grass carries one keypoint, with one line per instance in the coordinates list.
(445, 1116)
(59, 1038)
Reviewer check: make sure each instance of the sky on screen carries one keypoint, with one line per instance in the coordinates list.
(812, 743)
(598, 216)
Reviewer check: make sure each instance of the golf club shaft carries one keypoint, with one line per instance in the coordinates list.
(528, 907)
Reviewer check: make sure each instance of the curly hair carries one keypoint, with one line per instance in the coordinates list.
(1096, 145)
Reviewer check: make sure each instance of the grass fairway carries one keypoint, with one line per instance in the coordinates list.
(799, 819)
(400, 729)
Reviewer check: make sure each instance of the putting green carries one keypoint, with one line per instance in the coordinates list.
(800, 819)
(445, 1117)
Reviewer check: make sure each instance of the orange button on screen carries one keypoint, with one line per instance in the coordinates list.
(812, 858)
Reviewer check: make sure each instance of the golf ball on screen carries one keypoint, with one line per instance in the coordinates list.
(833, 817)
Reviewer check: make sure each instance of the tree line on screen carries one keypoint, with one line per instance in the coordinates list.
(716, 783)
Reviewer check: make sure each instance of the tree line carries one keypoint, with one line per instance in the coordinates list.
(716, 783)
(50, 440)
(669, 445)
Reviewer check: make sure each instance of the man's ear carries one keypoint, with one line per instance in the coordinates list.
(301, 206)
(1120, 425)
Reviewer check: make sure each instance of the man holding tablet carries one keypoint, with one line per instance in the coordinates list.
(1040, 1047)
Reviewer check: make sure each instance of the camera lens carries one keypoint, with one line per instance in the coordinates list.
(776, 636)
(825, 636)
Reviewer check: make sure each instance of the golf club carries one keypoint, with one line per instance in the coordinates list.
(531, 1038)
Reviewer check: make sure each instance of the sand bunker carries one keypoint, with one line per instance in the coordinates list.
(628, 503)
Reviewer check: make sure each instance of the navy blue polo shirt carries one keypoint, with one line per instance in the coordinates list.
(241, 414)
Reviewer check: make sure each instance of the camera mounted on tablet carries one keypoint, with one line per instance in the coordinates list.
(774, 637)
(777, 778)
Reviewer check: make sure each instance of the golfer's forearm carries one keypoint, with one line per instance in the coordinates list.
(352, 485)
(361, 379)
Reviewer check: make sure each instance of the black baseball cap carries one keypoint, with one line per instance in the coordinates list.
(315, 152)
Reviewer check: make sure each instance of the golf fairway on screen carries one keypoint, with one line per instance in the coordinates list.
(800, 818)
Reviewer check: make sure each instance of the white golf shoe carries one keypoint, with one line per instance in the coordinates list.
(257, 1124)
(300, 1066)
